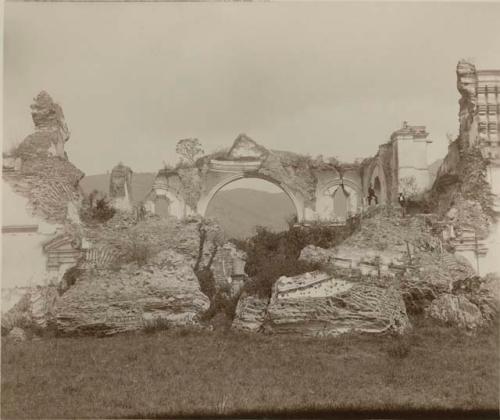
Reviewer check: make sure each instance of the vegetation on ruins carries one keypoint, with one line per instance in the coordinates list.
(408, 186)
(203, 271)
(474, 184)
(96, 208)
(222, 302)
(189, 150)
(467, 189)
(69, 278)
(191, 185)
(271, 255)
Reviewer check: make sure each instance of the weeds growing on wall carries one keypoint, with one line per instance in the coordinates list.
(468, 182)
(473, 179)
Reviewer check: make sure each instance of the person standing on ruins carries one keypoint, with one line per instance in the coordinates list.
(402, 203)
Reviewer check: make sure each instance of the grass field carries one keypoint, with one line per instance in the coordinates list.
(182, 373)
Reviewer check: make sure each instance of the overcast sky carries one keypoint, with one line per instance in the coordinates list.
(324, 78)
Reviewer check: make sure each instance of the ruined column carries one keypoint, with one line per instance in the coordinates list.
(120, 187)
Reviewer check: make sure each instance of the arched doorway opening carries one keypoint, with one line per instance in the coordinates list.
(339, 200)
(242, 204)
(340, 203)
(378, 183)
(377, 186)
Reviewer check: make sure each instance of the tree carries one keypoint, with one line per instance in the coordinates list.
(409, 187)
(189, 150)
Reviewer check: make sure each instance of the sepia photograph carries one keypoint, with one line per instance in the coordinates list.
(250, 209)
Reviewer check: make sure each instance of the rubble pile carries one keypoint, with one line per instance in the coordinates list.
(387, 229)
(122, 233)
(429, 276)
(250, 313)
(456, 310)
(105, 302)
(333, 306)
(317, 304)
(34, 311)
(132, 274)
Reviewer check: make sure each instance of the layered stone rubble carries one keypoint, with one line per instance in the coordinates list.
(106, 302)
(318, 304)
(323, 305)
(250, 313)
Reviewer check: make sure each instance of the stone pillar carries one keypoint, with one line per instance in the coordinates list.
(411, 144)
(120, 187)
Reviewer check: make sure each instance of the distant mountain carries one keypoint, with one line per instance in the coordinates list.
(238, 210)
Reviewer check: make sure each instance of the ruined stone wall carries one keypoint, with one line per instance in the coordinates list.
(304, 179)
(46, 177)
(388, 154)
(40, 184)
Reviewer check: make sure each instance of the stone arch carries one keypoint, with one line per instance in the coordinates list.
(340, 204)
(207, 198)
(332, 201)
(378, 181)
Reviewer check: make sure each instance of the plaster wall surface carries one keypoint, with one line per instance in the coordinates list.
(176, 207)
(15, 212)
(422, 177)
(23, 259)
(412, 161)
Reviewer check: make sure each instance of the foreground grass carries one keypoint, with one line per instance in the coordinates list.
(171, 373)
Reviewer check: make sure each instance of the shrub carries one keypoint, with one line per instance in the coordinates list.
(206, 280)
(96, 208)
(271, 255)
(69, 279)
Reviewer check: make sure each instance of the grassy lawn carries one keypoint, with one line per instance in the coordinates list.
(181, 373)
